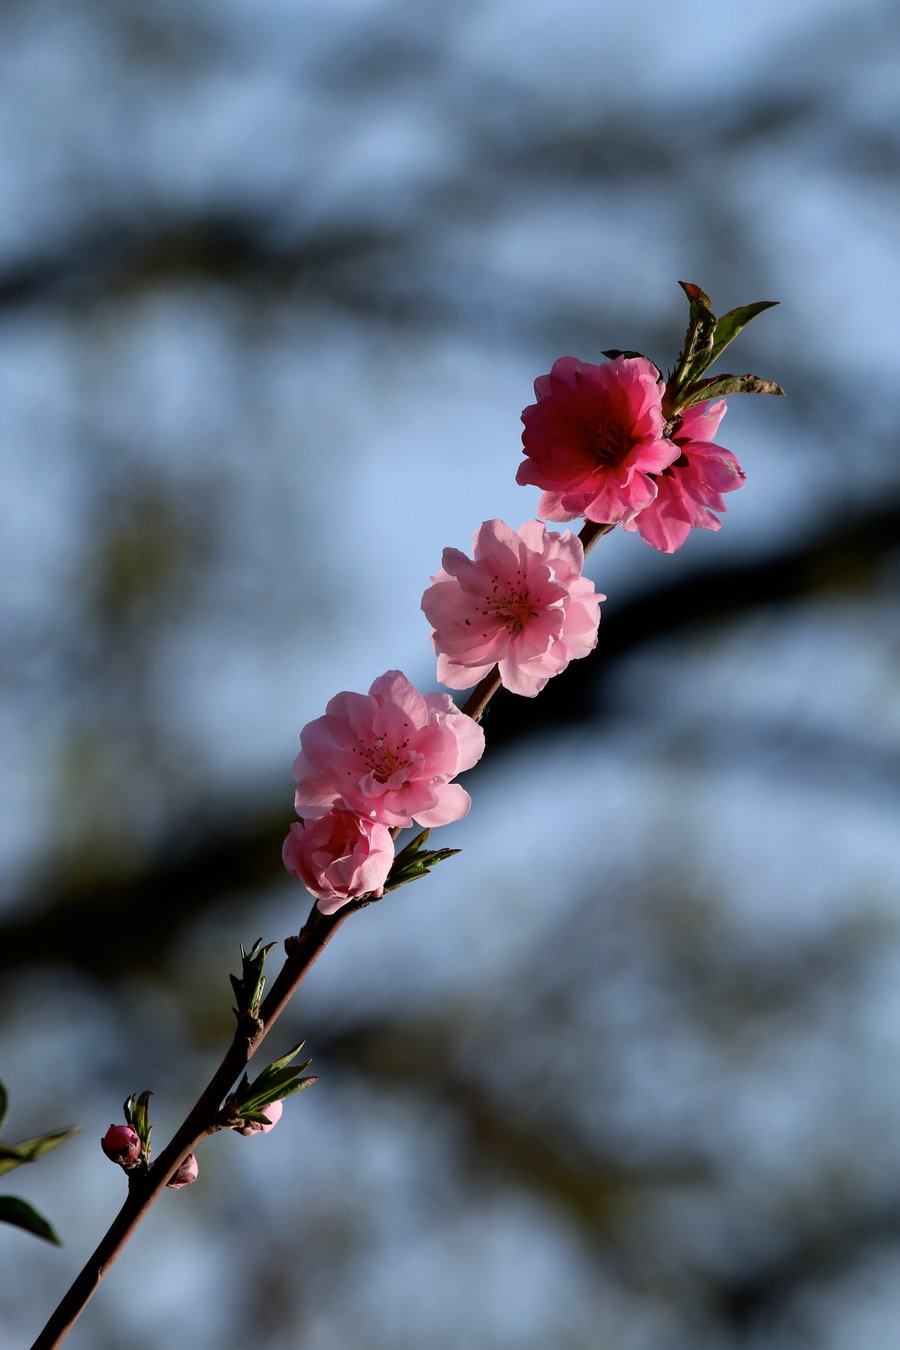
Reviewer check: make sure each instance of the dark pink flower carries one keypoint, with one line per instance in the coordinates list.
(595, 438)
(339, 856)
(690, 489)
(520, 603)
(122, 1145)
(185, 1174)
(388, 755)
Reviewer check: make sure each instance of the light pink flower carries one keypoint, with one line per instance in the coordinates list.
(594, 439)
(389, 755)
(339, 856)
(521, 603)
(694, 483)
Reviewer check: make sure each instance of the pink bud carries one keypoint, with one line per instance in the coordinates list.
(185, 1174)
(272, 1111)
(122, 1145)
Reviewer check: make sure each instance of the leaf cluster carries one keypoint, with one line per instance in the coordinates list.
(281, 1079)
(249, 985)
(704, 342)
(137, 1115)
(415, 861)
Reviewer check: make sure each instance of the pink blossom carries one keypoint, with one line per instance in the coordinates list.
(122, 1145)
(339, 856)
(388, 755)
(693, 484)
(594, 439)
(185, 1174)
(521, 603)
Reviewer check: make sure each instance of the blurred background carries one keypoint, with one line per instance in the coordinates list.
(275, 281)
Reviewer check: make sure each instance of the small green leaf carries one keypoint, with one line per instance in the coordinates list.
(695, 354)
(286, 1059)
(718, 386)
(27, 1150)
(732, 323)
(4, 1102)
(22, 1215)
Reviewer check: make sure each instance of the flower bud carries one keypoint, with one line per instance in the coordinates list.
(122, 1145)
(273, 1111)
(185, 1174)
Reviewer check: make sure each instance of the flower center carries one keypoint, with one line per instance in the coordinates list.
(510, 603)
(608, 442)
(383, 760)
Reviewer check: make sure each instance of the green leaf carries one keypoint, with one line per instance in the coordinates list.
(718, 386)
(287, 1059)
(695, 354)
(4, 1102)
(275, 1091)
(27, 1150)
(21, 1215)
(732, 323)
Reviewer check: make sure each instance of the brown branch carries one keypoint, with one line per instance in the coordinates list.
(145, 1190)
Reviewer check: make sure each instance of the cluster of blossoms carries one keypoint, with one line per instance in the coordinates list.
(612, 443)
(599, 444)
(374, 763)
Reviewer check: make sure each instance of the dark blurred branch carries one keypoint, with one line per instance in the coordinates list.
(68, 923)
(345, 264)
(758, 1296)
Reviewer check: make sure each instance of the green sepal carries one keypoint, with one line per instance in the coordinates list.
(415, 861)
(22, 1215)
(718, 386)
(137, 1115)
(732, 323)
(615, 352)
(248, 987)
(27, 1150)
(4, 1102)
